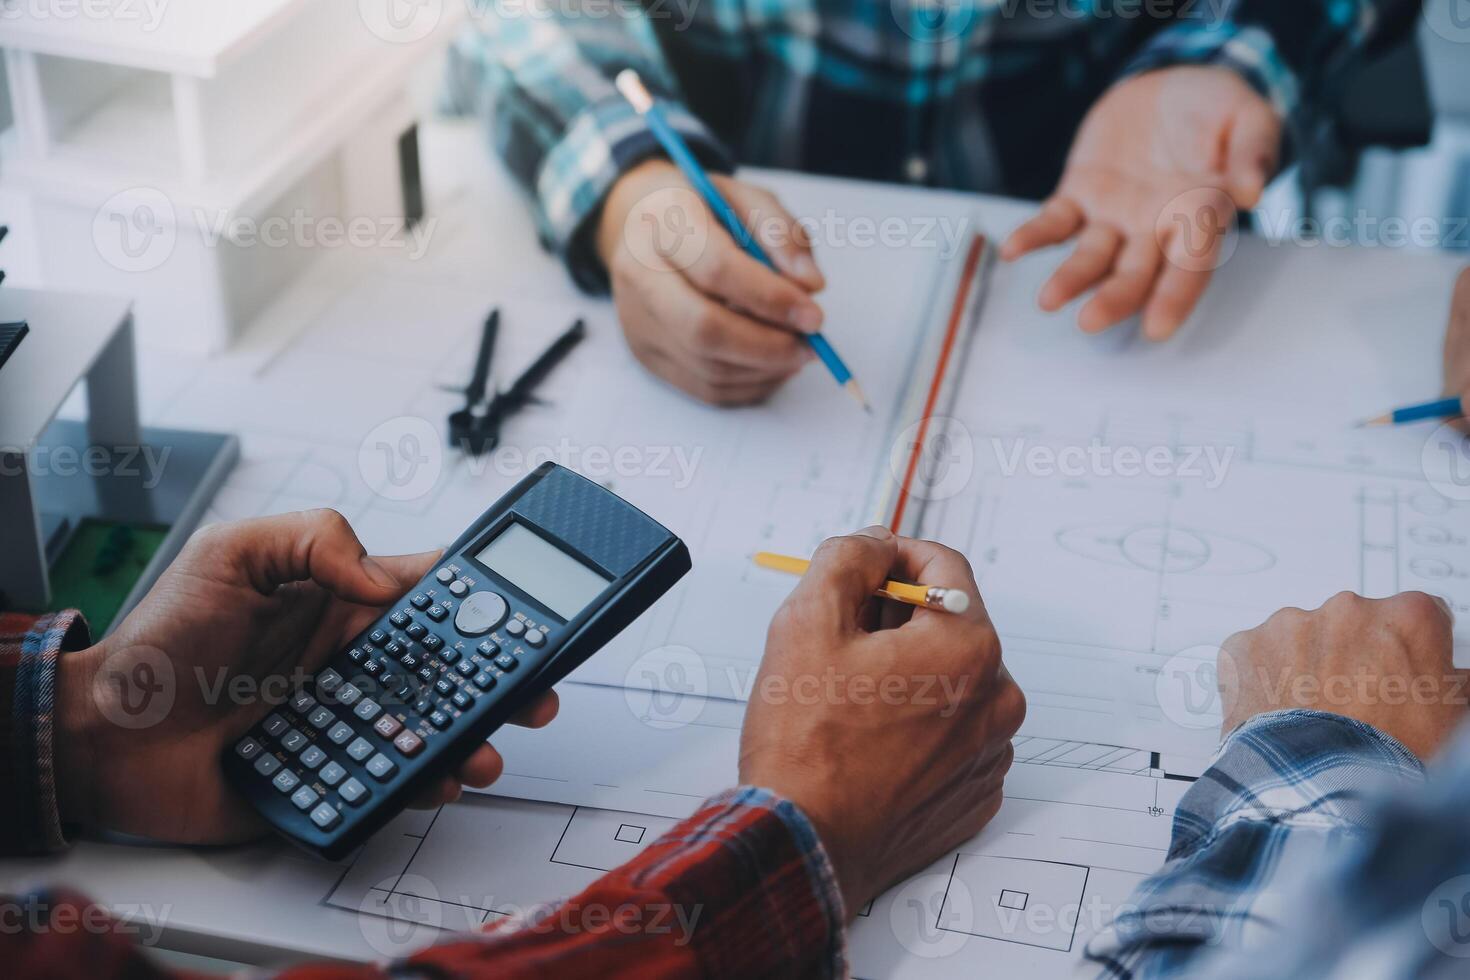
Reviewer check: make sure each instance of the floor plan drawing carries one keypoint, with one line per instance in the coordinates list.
(1081, 825)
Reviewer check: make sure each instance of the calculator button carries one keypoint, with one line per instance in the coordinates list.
(325, 816)
(356, 654)
(409, 661)
(275, 725)
(293, 741)
(515, 627)
(321, 717)
(421, 601)
(480, 613)
(302, 703)
(388, 726)
(467, 667)
(488, 648)
(248, 749)
(423, 706)
(304, 797)
(432, 643)
(450, 655)
(463, 699)
(377, 637)
(444, 686)
(267, 765)
(395, 649)
(372, 668)
(354, 792)
(348, 694)
(436, 613)
(408, 743)
(506, 662)
(484, 681)
(444, 575)
(340, 733)
(360, 749)
(285, 781)
(328, 681)
(439, 718)
(313, 757)
(382, 767)
(535, 637)
(427, 673)
(367, 709)
(332, 773)
(400, 619)
(417, 631)
(458, 588)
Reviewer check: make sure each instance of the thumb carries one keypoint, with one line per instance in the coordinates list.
(844, 574)
(311, 546)
(1251, 157)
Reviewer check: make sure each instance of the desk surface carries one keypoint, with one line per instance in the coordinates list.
(264, 903)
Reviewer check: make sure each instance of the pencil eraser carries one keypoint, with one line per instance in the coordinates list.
(956, 601)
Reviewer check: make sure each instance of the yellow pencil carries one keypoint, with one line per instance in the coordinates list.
(924, 596)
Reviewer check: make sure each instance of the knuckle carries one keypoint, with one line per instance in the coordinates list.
(1009, 707)
(706, 329)
(326, 520)
(1290, 619)
(1419, 608)
(714, 269)
(210, 536)
(840, 549)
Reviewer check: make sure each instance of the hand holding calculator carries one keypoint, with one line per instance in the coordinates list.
(545, 577)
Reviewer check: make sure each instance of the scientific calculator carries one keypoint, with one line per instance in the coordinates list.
(546, 577)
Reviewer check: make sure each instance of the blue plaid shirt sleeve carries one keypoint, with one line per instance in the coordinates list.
(1283, 50)
(1293, 803)
(545, 79)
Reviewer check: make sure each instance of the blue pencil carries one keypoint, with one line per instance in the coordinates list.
(1442, 408)
(632, 88)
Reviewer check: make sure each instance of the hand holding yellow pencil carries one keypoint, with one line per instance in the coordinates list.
(924, 596)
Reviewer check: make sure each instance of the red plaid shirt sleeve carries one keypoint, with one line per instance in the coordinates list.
(29, 649)
(741, 889)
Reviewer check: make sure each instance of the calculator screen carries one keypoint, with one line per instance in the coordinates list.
(536, 566)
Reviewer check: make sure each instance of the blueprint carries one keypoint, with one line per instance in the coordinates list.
(1111, 590)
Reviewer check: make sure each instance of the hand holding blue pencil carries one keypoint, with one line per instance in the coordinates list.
(633, 90)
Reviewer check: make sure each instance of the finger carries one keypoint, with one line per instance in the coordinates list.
(844, 574)
(408, 569)
(539, 713)
(783, 238)
(1255, 145)
(725, 272)
(1090, 262)
(442, 792)
(317, 546)
(1059, 220)
(482, 768)
(1127, 289)
(930, 563)
(714, 335)
(1179, 288)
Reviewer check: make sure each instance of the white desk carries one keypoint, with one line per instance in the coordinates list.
(263, 904)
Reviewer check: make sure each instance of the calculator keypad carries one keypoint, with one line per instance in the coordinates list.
(413, 675)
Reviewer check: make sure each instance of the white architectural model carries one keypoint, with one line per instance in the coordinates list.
(197, 155)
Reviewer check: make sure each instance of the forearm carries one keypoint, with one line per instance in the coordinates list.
(741, 889)
(561, 127)
(1287, 790)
